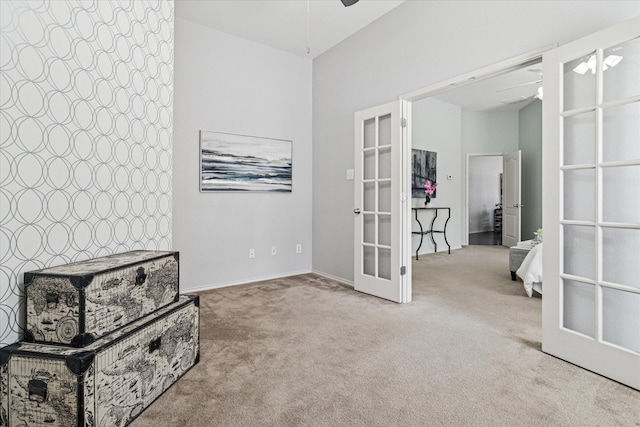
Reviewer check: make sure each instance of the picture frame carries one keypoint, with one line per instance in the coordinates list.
(424, 167)
(232, 162)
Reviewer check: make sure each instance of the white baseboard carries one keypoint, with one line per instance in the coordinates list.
(243, 282)
(329, 276)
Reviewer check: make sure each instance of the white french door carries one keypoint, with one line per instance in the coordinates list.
(512, 198)
(379, 208)
(591, 215)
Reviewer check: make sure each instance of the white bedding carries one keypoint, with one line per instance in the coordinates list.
(530, 270)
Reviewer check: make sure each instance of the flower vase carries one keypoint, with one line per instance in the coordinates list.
(427, 200)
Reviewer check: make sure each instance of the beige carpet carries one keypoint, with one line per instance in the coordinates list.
(307, 351)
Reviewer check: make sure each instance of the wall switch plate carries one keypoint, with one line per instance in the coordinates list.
(273, 250)
(252, 253)
(298, 248)
(350, 174)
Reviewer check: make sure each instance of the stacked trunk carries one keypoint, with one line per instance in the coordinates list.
(104, 339)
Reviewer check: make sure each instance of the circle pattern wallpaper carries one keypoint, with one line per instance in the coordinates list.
(86, 99)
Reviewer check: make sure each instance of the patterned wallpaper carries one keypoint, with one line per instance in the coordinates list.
(86, 110)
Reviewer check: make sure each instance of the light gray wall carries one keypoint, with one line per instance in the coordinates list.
(227, 84)
(436, 127)
(85, 136)
(530, 142)
(489, 132)
(484, 191)
(415, 45)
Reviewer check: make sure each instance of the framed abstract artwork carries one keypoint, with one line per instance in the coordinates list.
(230, 162)
(423, 167)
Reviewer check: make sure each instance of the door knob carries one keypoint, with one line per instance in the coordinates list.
(356, 211)
(515, 205)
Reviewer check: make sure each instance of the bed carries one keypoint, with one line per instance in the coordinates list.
(530, 270)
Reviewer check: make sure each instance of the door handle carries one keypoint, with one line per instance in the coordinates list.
(356, 211)
(515, 205)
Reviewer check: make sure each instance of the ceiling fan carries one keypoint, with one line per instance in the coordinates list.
(537, 95)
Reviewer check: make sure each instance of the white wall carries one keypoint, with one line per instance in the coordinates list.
(227, 84)
(413, 46)
(436, 127)
(484, 191)
(85, 135)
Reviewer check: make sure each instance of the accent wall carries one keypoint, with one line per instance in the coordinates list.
(86, 111)
(530, 142)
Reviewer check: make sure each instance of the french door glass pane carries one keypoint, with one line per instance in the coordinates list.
(369, 164)
(579, 194)
(622, 74)
(384, 196)
(580, 139)
(369, 261)
(621, 318)
(369, 196)
(384, 163)
(384, 230)
(579, 251)
(384, 130)
(621, 132)
(620, 261)
(621, 194)
(369, 225)
(369, 133)
(579, 82)
(579, 302)
(384, 263)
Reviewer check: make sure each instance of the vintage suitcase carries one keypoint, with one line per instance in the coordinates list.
(75, 304)
(107, 383)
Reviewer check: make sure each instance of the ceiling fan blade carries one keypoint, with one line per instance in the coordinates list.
(348, 3)
(517, 100)
(520, 85)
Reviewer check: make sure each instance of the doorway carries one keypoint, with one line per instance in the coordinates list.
(482, 118)
(485, 187)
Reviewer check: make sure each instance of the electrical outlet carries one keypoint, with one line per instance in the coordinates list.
(252, 253)
(298, 248)
(273, 250)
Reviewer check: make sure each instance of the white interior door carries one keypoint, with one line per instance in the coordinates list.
(511, 197)
(378, 206)
(591, 212)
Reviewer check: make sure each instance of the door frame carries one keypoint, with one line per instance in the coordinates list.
(493, 70)
(465, 205)
(406, 100)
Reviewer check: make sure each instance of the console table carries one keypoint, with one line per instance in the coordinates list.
(431, 231)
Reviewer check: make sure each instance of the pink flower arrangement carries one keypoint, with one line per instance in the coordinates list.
(429, 189)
